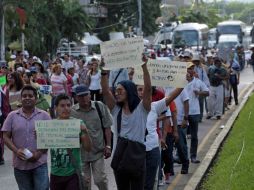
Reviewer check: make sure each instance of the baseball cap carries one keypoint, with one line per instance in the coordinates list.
(81, 90)
(190, 64)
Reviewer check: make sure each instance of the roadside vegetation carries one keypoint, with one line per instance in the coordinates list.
(234, 166)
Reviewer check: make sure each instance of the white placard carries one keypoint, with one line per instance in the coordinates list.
(163, 73)
(122, 53)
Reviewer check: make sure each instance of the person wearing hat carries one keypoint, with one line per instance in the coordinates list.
(216, 74)
(42, 74)
(202, 75)
(196, 88)
(98, 121)
(12, 62)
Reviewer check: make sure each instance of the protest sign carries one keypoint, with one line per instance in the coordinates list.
(3, 80)
(57, 134)
(122, 53)
(45, 89)
(163, 73)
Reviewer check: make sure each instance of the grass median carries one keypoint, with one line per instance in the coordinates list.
(233, 168)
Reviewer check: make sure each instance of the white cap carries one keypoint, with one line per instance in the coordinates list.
(195, 57)
(13, 57)
(21, 69)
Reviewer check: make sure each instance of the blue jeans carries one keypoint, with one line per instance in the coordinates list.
(193, 124)
(34, 179)
(152, 163)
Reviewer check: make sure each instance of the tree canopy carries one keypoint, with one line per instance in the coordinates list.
(122, 16)
(47, 23)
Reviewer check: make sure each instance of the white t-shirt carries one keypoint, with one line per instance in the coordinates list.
(179, 101)
(133, 125)
(95, 82)
(67, 65)
(152, 139)
(195, 84)
(75, 79)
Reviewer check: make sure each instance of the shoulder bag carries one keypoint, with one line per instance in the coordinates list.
(129, 156)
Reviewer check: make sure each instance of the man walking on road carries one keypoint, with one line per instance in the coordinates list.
(30, 164)
(216, 75)
(101, 148)
(196, 89)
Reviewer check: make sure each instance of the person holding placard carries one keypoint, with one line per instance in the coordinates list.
(30, 164)
(130, 117)
(66, 163)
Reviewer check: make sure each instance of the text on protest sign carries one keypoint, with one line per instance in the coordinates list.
(122, 53)
(45, 89)
(163, 73)
(57, 134)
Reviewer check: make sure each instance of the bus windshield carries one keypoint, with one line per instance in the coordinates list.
(229, 29)
(185, 38)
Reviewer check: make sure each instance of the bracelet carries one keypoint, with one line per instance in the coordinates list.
(103, 74)
(109, 147)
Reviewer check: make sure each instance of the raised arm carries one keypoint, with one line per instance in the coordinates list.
(147, 96)
(173, 95)
(107, 94)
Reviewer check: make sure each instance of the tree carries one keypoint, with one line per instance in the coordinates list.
(122, 16)
(204, 13)
(47, 23)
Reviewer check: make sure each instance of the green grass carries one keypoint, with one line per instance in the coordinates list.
(225, 174)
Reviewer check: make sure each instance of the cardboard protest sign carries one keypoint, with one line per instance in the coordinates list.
(3, 80)
(163, 73)
(57, 133)
(122, 53)
(45, 89)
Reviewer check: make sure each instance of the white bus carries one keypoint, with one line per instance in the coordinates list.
(231, 27)
(212, 38)
(192, 35)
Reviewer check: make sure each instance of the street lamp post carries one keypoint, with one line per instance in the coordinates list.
(139, 18)
(2, 58)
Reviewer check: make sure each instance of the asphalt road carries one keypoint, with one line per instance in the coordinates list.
(208, 130)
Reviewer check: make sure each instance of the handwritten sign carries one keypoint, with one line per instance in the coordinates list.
(163, 73)
(3, 80)
(122, 53)
(45, 89)
(57, 134)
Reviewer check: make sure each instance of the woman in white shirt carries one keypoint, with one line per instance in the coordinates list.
(94, 81)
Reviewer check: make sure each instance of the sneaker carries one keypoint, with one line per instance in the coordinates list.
(218, 117)
(161, 183)
(167, 177)
(2, 162)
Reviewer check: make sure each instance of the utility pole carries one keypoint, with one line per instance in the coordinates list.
(140, 33)
(2, 58)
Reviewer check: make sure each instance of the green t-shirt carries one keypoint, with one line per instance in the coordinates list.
(61, 161)
(61, 164)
